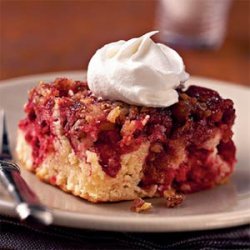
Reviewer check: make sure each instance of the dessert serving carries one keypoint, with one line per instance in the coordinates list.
(132, 130)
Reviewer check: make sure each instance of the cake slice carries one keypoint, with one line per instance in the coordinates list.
(104, 150)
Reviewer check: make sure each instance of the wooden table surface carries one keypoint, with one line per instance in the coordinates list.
(46, 36)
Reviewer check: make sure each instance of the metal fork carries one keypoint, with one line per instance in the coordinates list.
(27, 205)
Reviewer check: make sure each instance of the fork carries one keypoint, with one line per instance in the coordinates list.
(27, 205)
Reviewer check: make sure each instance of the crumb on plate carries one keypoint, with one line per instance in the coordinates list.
(139, 205)
(172, 198)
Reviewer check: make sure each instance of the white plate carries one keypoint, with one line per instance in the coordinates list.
(223, 206)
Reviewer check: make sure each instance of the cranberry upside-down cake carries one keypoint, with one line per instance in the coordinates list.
(103, 150)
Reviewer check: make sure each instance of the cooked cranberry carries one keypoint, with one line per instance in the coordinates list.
(108, 150)
(227, 151)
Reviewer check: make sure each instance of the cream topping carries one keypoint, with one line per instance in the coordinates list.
(138, 71)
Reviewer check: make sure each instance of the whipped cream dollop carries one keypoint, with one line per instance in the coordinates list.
(138, 71)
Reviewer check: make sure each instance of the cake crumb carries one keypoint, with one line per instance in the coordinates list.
(172, 198)
(139, 205)
(113, 114)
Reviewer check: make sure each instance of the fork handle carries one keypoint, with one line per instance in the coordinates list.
(28, 206)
